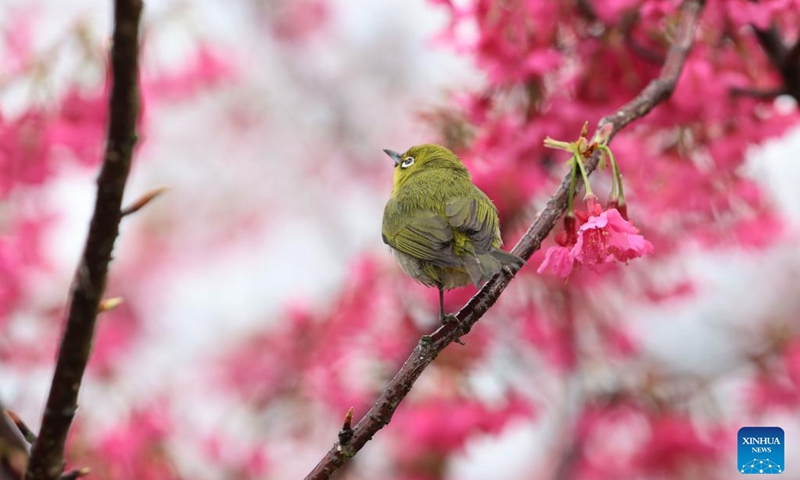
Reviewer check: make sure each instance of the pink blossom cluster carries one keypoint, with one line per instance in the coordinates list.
(601, 67)
(294, 22)
(422, 442)
(30, 143)
(36, 147)
(777, 384)
(62, 130)
(645, 444)
(135, 447)
(597, 238)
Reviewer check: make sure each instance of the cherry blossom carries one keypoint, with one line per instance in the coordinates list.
(607, 237)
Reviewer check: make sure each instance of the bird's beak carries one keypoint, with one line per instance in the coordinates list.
(398, 159)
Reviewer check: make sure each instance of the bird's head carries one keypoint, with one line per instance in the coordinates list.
(424, 158)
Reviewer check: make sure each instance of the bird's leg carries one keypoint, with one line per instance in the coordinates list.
(441, 304)
(446, 318)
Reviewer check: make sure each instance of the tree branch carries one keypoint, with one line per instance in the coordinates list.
(772, 43)
(766, 94)
(786, 60)
(47, 455)
(429, 348)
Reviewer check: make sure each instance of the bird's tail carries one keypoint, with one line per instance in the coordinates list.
(484, 266)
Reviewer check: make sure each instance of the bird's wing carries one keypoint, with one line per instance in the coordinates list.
(424, 234)
(476, 218)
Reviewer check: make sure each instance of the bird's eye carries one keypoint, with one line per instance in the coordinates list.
(407, 162)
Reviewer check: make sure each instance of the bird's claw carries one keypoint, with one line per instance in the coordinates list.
(450, 318)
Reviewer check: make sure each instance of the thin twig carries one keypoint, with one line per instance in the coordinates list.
(47, 455)
(109, 304)
(346, 433)
(75, 474)
(142, 201)
(13, 448)
(429, 347)
(26, 432)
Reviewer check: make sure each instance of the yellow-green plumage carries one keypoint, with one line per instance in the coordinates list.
(443, 229)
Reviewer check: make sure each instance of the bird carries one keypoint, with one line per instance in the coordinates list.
(443, 230)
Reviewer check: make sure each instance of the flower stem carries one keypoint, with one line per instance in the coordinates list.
(614, 195)
(617, 176)
(577, 158)
(558, 144)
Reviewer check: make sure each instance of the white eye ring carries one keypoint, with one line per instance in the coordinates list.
(407, 162)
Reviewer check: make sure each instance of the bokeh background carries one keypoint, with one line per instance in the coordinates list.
(260, 303)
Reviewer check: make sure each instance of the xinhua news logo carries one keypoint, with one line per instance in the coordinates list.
(761, 450)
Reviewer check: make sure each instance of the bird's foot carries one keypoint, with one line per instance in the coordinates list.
(450, 318)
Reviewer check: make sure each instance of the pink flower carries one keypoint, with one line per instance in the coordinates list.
(424, 436)
(559, 260)
(116, 332)
(606, 237)
(25, 144)
(136, 446)
(297, 21)
(594, 239)
(759, 232)
(17, 40)
(553, 338)
(207, 68)
(80, 124)
(676, 445)
(612, 11)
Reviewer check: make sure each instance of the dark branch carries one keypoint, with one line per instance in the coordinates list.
(429, 347)
(785, 60)
(772, 43)
(568, 459)
(47, 455)
(790, 71)
(586, 9)
(643, 52)
(756, 93)
(793, 55)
